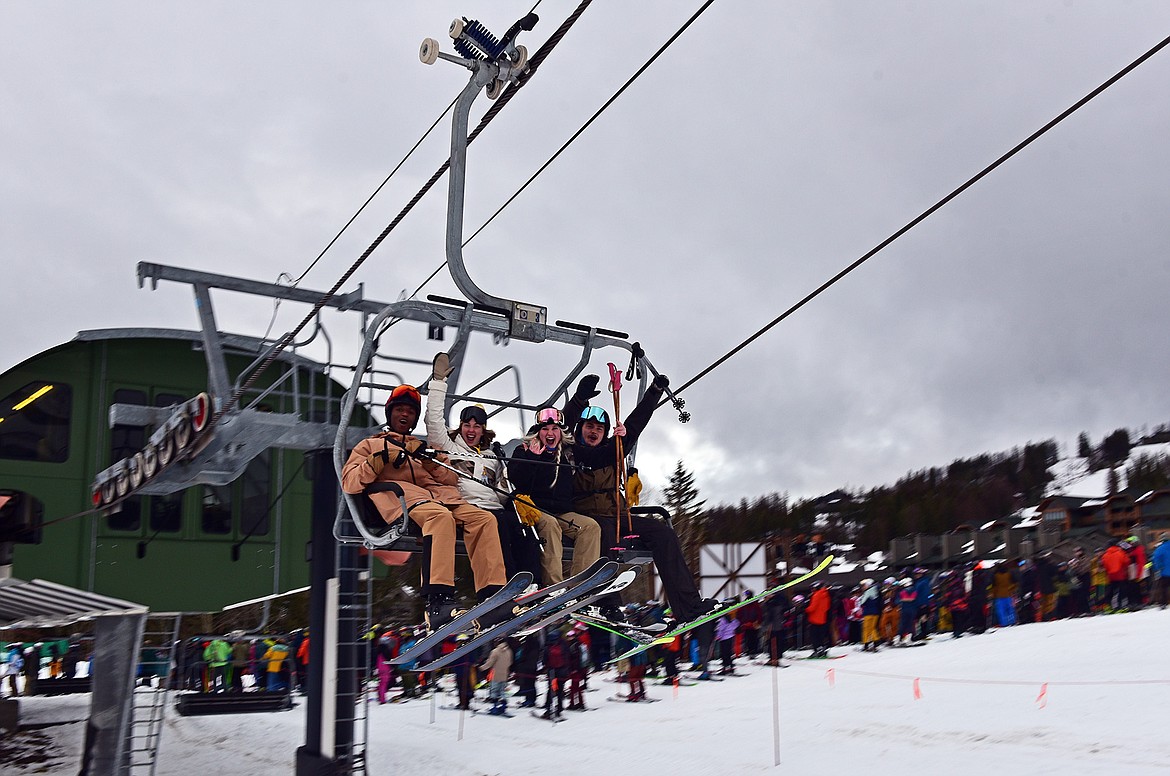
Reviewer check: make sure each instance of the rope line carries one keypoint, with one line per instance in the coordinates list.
(960, 680)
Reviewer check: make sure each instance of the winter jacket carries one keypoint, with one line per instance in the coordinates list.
(750, 615)
(276, 655)
(547, 477)
(776, 608)
(1137, 562)
(1115, 562)
(1161, 559)
(498, 664)
(421, 480)
(725, 627)
(870, 601)
(217, 653)
(595, 481)
(922, 591)
(485, 470)
(1003, 584)
(818, 607)
(556, 655)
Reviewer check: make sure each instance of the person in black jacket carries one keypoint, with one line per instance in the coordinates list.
(556, 669)
(777, 609)
(599, 494)
(541, 469)
(525, 665)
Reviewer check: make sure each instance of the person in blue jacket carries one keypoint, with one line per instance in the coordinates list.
(1161, 562)
(922, 598)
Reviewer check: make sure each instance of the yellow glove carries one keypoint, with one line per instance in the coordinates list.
(526, 510)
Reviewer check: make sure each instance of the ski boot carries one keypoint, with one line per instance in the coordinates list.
(441, 606)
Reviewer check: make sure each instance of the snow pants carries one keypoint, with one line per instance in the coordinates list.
(480, 535)
(677, 580)
(1005, 612)
(586, 536)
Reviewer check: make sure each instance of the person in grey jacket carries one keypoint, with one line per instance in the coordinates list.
(497, 667)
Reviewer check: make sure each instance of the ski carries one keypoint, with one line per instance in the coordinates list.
(540, 715)
(551, 608)
(626, 699)
(466, 620)
(670, 635)
(619, 583)
(642, 634)
(486, 713)
(708, 678)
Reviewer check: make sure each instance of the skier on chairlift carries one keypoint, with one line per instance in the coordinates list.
(434, 502)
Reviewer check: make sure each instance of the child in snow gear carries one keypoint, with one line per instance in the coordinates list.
(496, 668)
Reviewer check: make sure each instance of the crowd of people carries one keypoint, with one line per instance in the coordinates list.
(897, 611)
(24, 664)
(227, 664)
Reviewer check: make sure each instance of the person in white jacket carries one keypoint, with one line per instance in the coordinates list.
(485, 482)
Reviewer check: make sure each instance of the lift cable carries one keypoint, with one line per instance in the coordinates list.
(1023, 144)
(576, 134)
(287, 338)
(294, 282)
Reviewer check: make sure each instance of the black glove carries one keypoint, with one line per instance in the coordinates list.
(587, 388)
(379, 459)
(661, 383)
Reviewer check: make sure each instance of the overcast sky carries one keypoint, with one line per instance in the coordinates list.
(772, 145)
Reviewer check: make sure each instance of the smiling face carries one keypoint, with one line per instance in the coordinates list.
(471, 431)
(403, 418)
(549, 435)
(592, 433)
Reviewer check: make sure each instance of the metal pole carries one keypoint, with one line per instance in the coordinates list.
(311, 759)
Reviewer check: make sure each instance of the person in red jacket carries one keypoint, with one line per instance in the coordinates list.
(1115, 562)
(1136, 571)
(817, 615)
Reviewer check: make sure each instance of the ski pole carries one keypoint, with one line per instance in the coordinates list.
(615, 387)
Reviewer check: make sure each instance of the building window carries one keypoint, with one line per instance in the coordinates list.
(217, 509)
(166, 513)
(256, 495)
(34, 423)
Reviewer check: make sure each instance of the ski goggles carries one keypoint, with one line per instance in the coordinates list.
(595, 414)
(476, 413)
(403, 393)
(549, 415)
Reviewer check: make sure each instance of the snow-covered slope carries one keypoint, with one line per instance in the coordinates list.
(1070, 697)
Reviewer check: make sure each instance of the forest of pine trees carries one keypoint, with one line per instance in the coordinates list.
(971, 491)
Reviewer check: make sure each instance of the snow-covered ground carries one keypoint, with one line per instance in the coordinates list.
(1069, 697)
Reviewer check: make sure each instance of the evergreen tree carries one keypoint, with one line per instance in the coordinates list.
(1115, 447)
(1084, 446)
(686, 510)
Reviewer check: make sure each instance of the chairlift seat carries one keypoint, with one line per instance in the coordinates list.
(411, 539)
